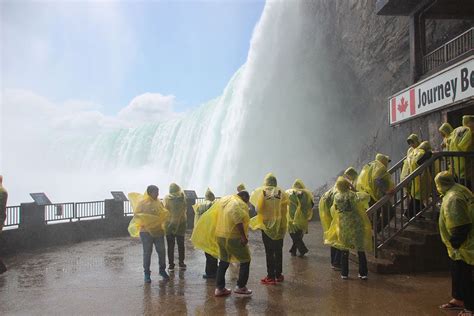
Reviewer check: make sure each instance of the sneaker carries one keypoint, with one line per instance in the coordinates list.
(363, 277)
(164, 275)
(280, 278)
(344, 277)
(182, 266)
(268, 281)
(242, 290)
(171, 267)
(208, 276)
(222, 292)
(293, 253)
(303, 253)
(147, 278)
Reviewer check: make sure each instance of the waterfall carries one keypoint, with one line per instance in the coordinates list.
(287, 110)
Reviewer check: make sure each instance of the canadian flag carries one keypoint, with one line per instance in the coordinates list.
(402, 106)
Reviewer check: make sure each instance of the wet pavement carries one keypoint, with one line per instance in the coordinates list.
(105, 277)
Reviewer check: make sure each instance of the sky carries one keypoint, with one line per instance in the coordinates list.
(104, 55)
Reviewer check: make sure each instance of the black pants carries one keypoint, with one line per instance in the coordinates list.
(243, 274)
(274, 255)
(298, 243)
(170, 240)
(414, 206)
(335, 257)
(461, 283)
(345, 263)
(211, 265)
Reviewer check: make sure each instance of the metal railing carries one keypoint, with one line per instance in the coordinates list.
(90, 209)
(13, 216)
(393, 213)
(127, 208)
(451, 50)
(59, 212)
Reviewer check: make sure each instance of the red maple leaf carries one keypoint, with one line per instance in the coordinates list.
(402, 107)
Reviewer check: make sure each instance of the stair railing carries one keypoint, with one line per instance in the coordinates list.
(393, 213)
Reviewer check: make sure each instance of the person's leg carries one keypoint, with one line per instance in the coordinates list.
(170, 242)
(457, 290)
(270, 255)
(294, 245)
(147, 243)
(363, 271)
(243, 274)
(211, 265)
(301, 246)
(344, 263)
(466, 277)
(278, 246)
(221, 270)
(160, 249)
(181, 253)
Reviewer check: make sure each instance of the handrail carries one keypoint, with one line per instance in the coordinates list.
(384, 213)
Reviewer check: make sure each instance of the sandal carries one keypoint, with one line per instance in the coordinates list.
(466, 313)
(451, 307)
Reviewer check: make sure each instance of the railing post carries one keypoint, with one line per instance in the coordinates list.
(113, 209)
(31, 216)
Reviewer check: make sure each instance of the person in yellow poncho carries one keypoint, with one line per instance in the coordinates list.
(457, 233)
(149, 217)
(175, 203)
(252, 212)
(351, 175)
(326, 217)
(420, 187)
(271, 203)
(300, 211)
(445, 130)
(350, 228)
(374, 178)
(222, 232)
(413, 141)
(461, 140)
(199, 210)
(3, 217)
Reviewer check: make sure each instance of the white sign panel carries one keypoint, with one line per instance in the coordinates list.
(450, 86)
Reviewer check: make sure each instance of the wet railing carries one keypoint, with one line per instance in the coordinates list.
(13, 216)
(127, 208)
(59, 212)
(90, 209)
(456, 47)
(415, 195)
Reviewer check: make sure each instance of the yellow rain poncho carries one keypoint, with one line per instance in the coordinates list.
(201, 208)
(149, 215)
(350, 227)
(175, 203)
(413, 138)
(216, 232)
(3, 205)
(457, 209)
(461, 140)
(374, 178)
(325, 204)
(271, 203)
(446, 129)
(421, 188)
(300, 207)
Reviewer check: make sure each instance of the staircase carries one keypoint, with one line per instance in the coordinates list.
(411, 245)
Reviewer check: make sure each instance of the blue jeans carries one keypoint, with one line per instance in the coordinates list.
(147, 242)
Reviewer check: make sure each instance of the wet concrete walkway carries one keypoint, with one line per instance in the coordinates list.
(105, 277)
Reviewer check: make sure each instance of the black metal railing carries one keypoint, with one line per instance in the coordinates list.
(59, 212)
(13, 216)
(90, 209)
(456, 47)
(415, 195)
(127, 208)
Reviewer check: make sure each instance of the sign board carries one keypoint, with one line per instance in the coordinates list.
(448, 87)
(119, 196)
(40, 198)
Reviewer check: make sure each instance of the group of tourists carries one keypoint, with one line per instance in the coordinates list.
(221, 229)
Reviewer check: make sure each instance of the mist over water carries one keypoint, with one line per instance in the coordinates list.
(285, 111)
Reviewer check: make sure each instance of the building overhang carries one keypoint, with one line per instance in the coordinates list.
(432, 9)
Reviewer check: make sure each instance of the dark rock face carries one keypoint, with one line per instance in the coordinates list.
(374, 51)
